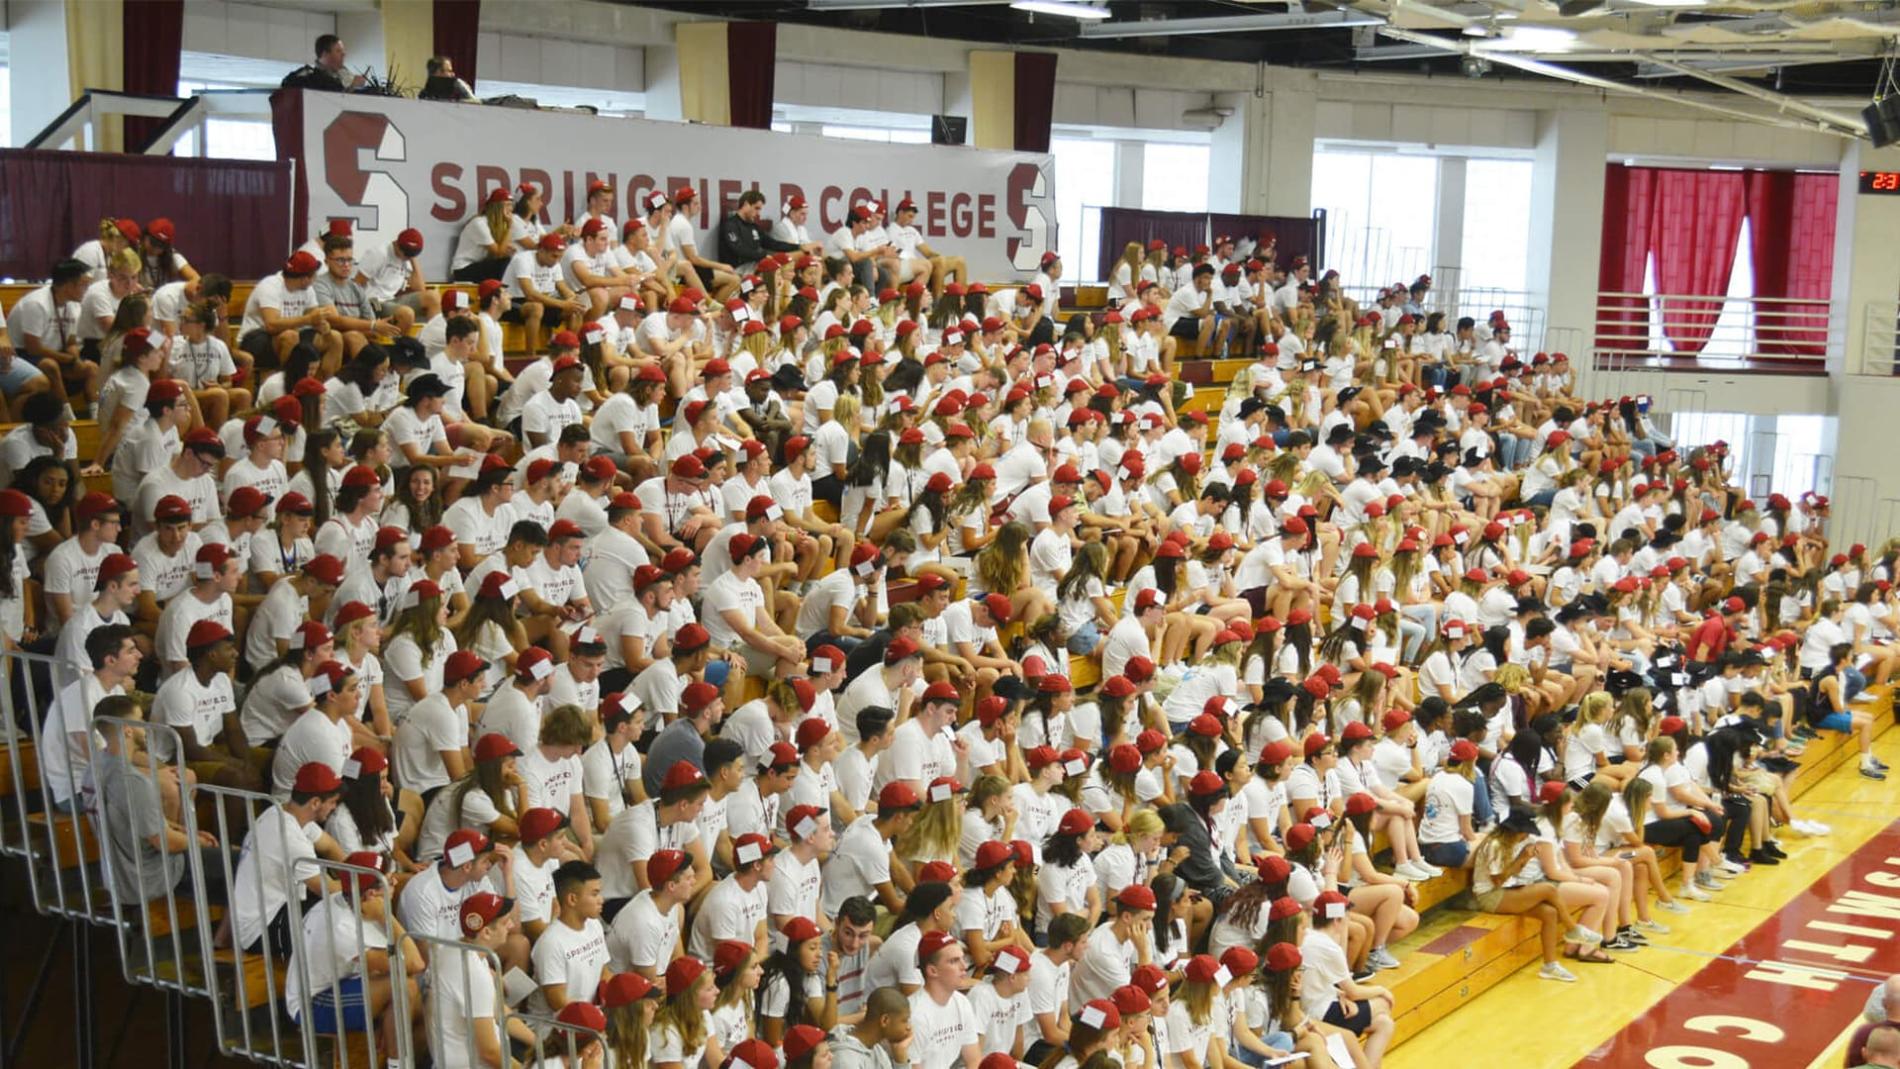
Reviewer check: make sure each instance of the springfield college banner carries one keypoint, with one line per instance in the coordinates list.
(387, 164)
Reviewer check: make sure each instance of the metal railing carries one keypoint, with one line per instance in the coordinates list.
(164, 863)
(1638, 328)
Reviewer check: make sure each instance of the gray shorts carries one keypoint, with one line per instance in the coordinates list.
(411, 301)
(18, 374)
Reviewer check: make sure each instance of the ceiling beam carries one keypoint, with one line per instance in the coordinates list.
(879, 5)
(1292, 20)
(1390, 53)
(1552, 70)
(1781, 101)
(1718, 63)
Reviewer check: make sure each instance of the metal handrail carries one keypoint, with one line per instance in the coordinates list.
(1637, 327)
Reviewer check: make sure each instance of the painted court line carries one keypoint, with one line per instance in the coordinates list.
(1785, 992)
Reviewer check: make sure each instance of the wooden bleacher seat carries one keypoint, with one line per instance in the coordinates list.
(29, 767)
(76, 843)
(256, 991)
(1084, 672)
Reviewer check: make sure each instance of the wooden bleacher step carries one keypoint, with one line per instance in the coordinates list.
(1454, 957)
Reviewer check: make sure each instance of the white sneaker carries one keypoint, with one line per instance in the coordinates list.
(1381, 959)
(1425, 866)
(1412, 871)
(1672, 906)
(1657, 926)
(1554, 971)
(1813, 828)
(1579, 934)
(1731, 867)
(1695, 894)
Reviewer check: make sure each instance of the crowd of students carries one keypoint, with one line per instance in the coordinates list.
(817, 659)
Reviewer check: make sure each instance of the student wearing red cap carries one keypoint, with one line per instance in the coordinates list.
(283, 312)
(322, 733)
(462, 987)
(277, 845)
(342, 976)
(431, 744)
(354, 314)
(533, 278)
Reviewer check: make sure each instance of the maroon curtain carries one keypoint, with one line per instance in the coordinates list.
(1791, 247)
(1628, 208)
(1697, 223)
(456, 26)
(233, 216)
(154, 37)
(1123, 225)
(1035, 99)
(751, 62)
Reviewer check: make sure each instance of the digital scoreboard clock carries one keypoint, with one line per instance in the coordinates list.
(1880, 182)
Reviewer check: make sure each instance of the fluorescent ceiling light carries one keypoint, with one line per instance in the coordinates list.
(1070, 8)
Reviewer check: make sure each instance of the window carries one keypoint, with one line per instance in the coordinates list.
(228, 138)
(6, 105)
(1173, 177)
(1800, 449)
(1733, 336)
(1690, 429)
(1495, 246)
(893, 135)
(1085, 181)
(1381, 214)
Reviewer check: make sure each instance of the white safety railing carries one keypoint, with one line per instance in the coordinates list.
(1880, 338)
(1638, 328)
(165, 863)
(1524, 311)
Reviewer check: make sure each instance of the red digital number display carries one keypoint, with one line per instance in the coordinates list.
(1880, 181)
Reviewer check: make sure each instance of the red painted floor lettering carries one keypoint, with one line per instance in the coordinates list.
(1762, 976)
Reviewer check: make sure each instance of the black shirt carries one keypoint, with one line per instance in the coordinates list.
(310, 76)
(744, 242)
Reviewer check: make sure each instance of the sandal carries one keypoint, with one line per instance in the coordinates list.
(1592, 956)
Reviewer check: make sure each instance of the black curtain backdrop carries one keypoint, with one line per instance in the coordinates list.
(1035, 99)
(456, 25)
(751, 61)
(154, 36)
(233, 216)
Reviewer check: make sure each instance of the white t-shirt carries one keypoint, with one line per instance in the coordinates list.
(271, 292)
(642, 936)
(1448, 796)
(939, 1032)
(274, 856)
(573, 957)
